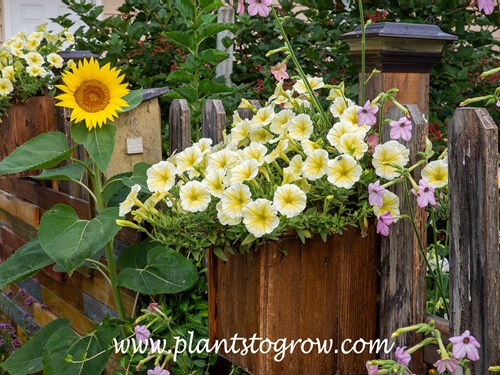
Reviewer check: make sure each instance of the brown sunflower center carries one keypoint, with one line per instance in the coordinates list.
(92, 96)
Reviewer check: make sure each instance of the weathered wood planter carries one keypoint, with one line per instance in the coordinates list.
(318, 291)
(24, 121)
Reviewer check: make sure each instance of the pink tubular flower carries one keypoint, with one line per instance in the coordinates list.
(153, 307)
(372, 369)
(261, 7)
(366, 115)
(425, 194)
(383, 223)
(372, 141)
(375, 194)
(487, 6)
(446, 364)
(465, 346)
(142, 333)
(401, 129)
(279, 72)
(241, 7)
(158, 371)
(403, 358)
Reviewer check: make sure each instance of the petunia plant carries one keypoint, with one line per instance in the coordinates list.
(28, 63)
(96, 95)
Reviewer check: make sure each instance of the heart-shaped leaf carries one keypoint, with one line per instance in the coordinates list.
(167, 271)
(28, 358)
(92, 352)
(99, 142)
(25, 262)
(69, 240)
(43, 151)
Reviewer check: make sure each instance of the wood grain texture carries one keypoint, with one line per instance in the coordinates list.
(402, 269)
(24, 121)
(213, 120)
(25, 211)
(142, 122)
(180, 125)
(473, 212)
(319, 290)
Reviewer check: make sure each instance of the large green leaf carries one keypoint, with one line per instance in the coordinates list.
(182, 39)
(67, 344)
(133, 98)
(70, 172)
(40, 152)
(28, 358)
(99, 142)
(136, 255)
(69, 240)
(166, 272)
(25, 262)
(185, 8)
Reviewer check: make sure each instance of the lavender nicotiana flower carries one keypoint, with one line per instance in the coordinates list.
(425, 194)
(465, 346)
(366, 114)
(446, 364)
(401, 129)
(142, 333)
(375, 194)
(403, 358)
(383, 223)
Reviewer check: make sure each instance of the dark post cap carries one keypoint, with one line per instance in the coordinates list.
(399, 47)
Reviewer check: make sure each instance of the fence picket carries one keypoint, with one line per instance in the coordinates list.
(213, 120)
(473, 213)
(180, 125)
(402, 287)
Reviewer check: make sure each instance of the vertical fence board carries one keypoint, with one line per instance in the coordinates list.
(214, 120)
(402, 286)
(473, 212)
(180, 125)
(247, 113)
(225, 68)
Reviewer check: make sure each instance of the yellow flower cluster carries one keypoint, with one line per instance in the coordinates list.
(27, 61)
(268, 167)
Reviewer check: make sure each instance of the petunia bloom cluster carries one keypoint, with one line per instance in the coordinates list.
(27, 62)
(283, 171)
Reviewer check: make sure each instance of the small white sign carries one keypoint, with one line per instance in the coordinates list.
(134, 146)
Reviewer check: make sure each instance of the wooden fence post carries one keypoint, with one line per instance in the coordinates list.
(180, 125)
(473, 211)
(213, 120)
(225, 68)
(402, 272)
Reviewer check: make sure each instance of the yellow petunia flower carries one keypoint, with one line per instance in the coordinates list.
(436, 173)
(234, 199)
(161, 177)
(344, 171)
(260, 217)
(264, 116)
(244, 171)
(353, 144)
(94, 93)
(214, 181)
(391, 152)
(300, 128)
(188, 159)
(255, 151)
(194, 196)
(6, 86)
(390, 203)
(315, 83)
(289, 200)
(126, 206)
(315, 165)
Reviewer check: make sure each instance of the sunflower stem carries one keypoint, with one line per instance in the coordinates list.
(111, 267)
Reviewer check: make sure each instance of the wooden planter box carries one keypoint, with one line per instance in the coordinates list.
(24, 121)
(319, 290)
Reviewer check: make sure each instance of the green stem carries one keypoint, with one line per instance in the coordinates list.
(363, 47)
(421, 246)
(301, 72)
(97, 181)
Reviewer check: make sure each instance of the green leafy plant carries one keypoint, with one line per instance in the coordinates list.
(71, 242)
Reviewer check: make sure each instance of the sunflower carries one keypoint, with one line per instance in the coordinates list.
(94, 93)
